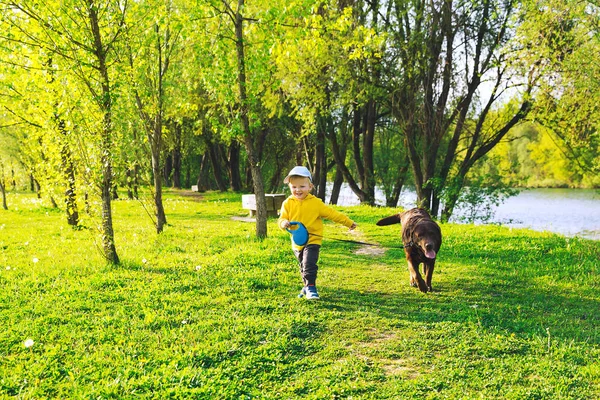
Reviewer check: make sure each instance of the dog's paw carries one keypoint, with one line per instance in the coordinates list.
(423, 286)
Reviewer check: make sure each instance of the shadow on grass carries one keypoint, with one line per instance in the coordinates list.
(532, 287)
(522, 312)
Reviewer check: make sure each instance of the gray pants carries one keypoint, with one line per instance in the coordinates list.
(308, 258)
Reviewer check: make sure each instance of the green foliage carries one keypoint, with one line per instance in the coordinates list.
(12, 174)
(479, 200)
(322, 66)
(565, 36)
(390, 156)
(531, 156)
(53, 92)
(205, 310)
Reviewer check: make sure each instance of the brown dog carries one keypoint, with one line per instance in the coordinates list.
(422, 239)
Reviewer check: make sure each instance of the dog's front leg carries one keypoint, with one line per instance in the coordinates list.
(416, 280)
(428, 272)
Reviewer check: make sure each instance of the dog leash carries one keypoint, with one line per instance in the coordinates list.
(364, 243)
(347, 240)
(300, 236)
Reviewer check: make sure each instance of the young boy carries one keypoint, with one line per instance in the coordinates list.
(301, 206)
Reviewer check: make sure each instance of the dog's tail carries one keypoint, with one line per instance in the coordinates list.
(393, 219)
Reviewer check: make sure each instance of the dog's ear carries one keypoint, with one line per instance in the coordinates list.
(394, 219)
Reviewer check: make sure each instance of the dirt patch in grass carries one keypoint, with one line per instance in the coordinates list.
(370, 250)
(398, 367)
(404, 367)
(190, 194)
(244, 219)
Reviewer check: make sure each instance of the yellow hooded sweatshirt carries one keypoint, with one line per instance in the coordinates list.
(311, 212)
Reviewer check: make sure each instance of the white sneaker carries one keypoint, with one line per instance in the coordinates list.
(311, 292)
(302, 293)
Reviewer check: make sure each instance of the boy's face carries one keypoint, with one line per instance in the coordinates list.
(300, 186)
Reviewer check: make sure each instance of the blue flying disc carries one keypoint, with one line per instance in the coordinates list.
(299, 234)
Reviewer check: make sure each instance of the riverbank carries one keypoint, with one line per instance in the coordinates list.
(569, 212)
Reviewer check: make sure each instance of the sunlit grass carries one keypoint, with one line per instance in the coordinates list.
(205, 310)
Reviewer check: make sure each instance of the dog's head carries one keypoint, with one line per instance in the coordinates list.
(427, 237)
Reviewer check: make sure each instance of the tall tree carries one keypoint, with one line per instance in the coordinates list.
(237, 19)
(446, 52)
(32, 98)
(66, 156)
(152, 42)
(83, 34)
(237, 81)
(330, 73)
(101, 46)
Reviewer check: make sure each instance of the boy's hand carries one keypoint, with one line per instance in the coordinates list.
(353, 226)
(284, 224)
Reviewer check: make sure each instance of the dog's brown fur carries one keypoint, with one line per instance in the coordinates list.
(422, 238)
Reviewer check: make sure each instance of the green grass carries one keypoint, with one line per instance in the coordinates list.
(205, 310)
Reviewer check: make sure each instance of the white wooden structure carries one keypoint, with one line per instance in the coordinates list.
(274, 202)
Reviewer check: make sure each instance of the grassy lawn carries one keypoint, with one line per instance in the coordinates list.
(205, 310)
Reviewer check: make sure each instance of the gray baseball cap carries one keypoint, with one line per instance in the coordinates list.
(298, 171)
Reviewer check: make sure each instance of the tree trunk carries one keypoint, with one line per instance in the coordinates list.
(337, 186)
(3, 190)
(235, 180)
(341, 150)
(259, 191)
(176, 168)
(66, 158)
(133, 171)
(156, 147)
(363, 124)
(108, 236)
(161, 218)
(177, 156)
(129, 179)
(188, 175)
(68, 170)
(392, 200)
(37, 188)
(339, 156)
(13, 180)
(136, 181)
(202, 181)
(217, 169)
(154, 126)
(167, 169)
(320, 170)
(368, 140)
(356, 146)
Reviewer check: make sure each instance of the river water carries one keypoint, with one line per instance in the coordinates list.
(569, 212)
